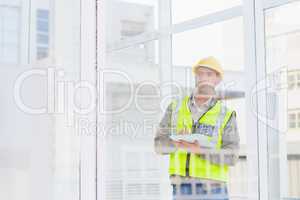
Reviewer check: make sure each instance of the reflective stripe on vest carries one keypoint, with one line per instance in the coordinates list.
(217, 116)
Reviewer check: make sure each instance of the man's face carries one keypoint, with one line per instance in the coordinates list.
(206, 76)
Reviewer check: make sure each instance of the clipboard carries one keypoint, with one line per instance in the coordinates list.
(203, 140)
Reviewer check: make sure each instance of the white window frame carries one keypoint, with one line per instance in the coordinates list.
(88, 143)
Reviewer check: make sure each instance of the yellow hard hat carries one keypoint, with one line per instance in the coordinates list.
(211, 63)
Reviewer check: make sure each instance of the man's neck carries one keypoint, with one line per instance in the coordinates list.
(201, 100)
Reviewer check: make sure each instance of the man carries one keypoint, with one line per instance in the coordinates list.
(198, 172)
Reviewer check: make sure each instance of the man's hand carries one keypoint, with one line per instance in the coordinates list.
(192, 147)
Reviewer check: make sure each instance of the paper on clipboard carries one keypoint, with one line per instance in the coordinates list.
(202, 139)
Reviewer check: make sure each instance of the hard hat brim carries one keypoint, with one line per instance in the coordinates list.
(195, 68)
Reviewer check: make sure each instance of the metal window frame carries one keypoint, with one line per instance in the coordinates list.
(165, 46)
(88, 143)
(262, 139)
(254, 154)
(101, 7)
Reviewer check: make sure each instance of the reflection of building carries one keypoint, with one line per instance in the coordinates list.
(131, 167)
(10, 24)
(293, 127)
(14, 32)
(137, 19)
(26, 140)
(294, 91)
(129, 20)
(42, 33)
(132, 171)
(40, 151)
(283, 56)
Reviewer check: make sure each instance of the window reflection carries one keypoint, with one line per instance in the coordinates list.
(283, 46)
(9, 33)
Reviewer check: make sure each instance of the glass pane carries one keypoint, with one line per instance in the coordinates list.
(9, 54)
(42, 25)
(298, 80)
(218, 39)
(291, 81)
(12, 14)
(292, 120)
(39, 157)
(43, 14)
(298, 120)
(132, 170)
(131, 101)
(42, 34)
(9, 34)
(43, 39)
(10, 38)
(143, 55)
(189, 9)
(130, 18)
(283, 47)
(225, 42)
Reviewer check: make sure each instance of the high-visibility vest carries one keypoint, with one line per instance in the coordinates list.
(184, 163)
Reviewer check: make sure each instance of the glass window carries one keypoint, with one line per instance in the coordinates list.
(298, 120)
(40, 153)
(130, 18)
(11, 22)
(189, 9)
(282, 49)
(43, 14)
(42, 39)
(10, 38)
(10, 54)
(143, 55)
(291, 81)
(9, 34)
(42, 34)
(298, 80)
(42, 25)
(42, 52)
(292, 120)
(223, 40)
(132, 100)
